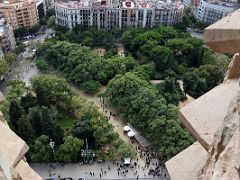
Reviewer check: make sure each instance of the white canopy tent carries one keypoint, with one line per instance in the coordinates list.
(126, 128)
(131, 134)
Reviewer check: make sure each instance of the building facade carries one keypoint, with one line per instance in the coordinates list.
(212, 11)
(112, 13)
(41, 8)
(7, 40)
(19, 13)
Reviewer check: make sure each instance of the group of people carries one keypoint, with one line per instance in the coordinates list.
(104, 106)
(150, 167)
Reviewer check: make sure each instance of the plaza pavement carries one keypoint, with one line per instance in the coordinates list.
(76, 171)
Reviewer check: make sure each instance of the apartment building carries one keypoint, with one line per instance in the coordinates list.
(211, 11)
(113, 13)
(19, 13)
(190, 3)
(7, 40)
(41, 8)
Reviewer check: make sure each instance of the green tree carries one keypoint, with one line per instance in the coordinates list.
(82, 129)
(91, 86)
(19, 48)
(16, 89)
(25, 129)
(193, 84)
(43, 21)
(41, 151)
(3, 67)
(35, 119)
(41, 64)
(9, 57)
(22, 31)
(51, 22)
(15, 113)
(51, 90)
(44, 121)
(141, 105)
(50, 12)
(171, 91)
(161, 56)
(70, 150)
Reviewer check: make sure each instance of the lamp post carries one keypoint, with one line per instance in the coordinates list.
(86, 153)
(52, 144)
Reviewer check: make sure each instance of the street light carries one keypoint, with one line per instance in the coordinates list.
(52, 144)
(87, 153)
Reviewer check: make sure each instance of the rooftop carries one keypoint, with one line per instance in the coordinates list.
(222, 3)
(126, 4)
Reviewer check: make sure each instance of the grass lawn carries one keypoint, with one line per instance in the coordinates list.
(65, 120)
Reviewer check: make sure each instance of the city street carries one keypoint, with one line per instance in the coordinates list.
(24, 69)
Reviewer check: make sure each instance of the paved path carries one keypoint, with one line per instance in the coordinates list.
(117, 123)
(77, 171)
(181, 104)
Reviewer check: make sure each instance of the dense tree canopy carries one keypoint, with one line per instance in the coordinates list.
(86, 69)
(142, 105)
(165, 47)
(34, 114)
(70, 150)
(3, 67)
(164, 53)
(41, 150)
(51, 90)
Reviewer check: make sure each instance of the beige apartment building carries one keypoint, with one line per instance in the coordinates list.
(19, 13)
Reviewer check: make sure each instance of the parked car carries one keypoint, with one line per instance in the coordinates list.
(51, 178)
(66, 178)
(81, 178)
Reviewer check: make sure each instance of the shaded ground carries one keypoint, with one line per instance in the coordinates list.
(66, 120)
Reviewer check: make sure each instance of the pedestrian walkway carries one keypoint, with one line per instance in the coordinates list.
(108, 170)
(117, 123)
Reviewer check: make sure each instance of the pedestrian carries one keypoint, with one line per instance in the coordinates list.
(137, 176)
(108, 167)
(100, 175)
(118, 173)
(93, 173)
